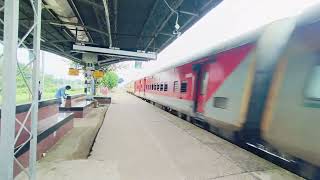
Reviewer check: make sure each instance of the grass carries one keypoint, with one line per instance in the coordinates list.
(24, 97)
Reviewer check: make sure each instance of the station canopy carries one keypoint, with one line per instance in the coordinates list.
(130, 25)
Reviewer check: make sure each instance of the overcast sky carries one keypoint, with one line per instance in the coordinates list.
(229, 19)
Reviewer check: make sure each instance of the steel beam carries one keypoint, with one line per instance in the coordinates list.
(191, 19)
(8, 111)
(94, 4)
(73, 6)
(35, 90)
(166, 34)
(54, 16)
(25, 22)
(108, 60)
(188, 13)
(99, 24)
(115, 11)
(128, 54)
(106, 12)
(75, 24)
(113, 62)
(154, 7)
(162, 25)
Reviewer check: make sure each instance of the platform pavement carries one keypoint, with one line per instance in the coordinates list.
(142, 142)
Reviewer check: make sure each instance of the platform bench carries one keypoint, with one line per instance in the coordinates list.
(50, 131)
(80, 109)
(102, 100)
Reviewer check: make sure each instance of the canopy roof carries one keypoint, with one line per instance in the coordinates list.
(145, 25)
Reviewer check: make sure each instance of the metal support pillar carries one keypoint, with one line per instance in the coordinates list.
(92, 91)
(8, 114)
(9, 138)
(91, 59)
(35, 89)
(42, 71)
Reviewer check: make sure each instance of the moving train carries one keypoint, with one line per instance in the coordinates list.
(261, 88)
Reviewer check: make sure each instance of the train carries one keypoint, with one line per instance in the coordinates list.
(261, 88)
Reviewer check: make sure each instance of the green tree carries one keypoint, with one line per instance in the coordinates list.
(110, 79)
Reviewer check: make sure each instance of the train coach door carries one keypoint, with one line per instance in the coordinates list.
(202, 76)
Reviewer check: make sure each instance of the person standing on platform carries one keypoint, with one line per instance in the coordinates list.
(61, 94)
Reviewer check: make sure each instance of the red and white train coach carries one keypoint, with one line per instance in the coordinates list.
(262, 88)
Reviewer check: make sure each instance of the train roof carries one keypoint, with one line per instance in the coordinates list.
(308, 16)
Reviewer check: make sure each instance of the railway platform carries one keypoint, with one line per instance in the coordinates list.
(138, 141)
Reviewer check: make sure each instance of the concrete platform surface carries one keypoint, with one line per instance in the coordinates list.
(141, 142)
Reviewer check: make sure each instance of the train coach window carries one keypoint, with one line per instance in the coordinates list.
(204, 83)
(220, 102)
(161, 87)
(158, 87)
(152, 87)
(184, 86)
(165, 87)
(312, 90)
(175, 86)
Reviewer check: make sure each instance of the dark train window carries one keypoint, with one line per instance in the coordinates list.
(312, 90)
(175, 86)
(158, 87)
(220, 102)
(184, 86)
(161, 87)
(165, 87)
